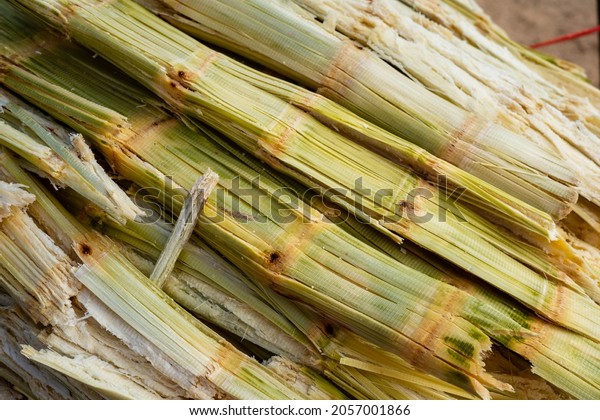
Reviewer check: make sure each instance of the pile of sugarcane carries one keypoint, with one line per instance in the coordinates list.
(293, 199)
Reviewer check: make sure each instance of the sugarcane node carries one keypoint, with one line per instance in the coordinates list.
(450, 149)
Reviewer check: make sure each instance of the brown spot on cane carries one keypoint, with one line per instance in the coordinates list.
(276, 261)
(274, 257)
(290, 245)
(85, 249)
(329, 328)
(184, 75)
(368, 23)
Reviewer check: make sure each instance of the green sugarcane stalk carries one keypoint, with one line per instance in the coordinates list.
(257, 165)
(258, 257)
(35, 272)
(61, 155)
(70, 366)
(331, 352)
(202, 83)
(28, 148)
(205, 275)
(503, 90)
(559, 123)
(562, 255)
(566, 81)
(278, 35)
(417, 385)
(481, 194)
(186, 296)
(211, 366)
(565, 359)
(180, 292)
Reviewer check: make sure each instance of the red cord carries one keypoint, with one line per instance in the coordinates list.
(567, 37)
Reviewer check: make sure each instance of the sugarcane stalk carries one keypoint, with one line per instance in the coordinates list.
(400, 35)
(37, 274)
(574, 368)
(478, 193)
(423, 384)
(204, 280)
(42, 158)
(476, 26)
(365, 21)
(261, 258)
(562, 254)
(481, 193)
(250, 381)
(90, 371)
(565, 82)
(231, 255)
(173, 290)
(61, 155)
(245, 315)
(287, 138)
(46, 298)
(344, 73)
(33, 380)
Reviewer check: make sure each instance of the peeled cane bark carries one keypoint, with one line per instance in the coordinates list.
(184, 227)
(35, 272)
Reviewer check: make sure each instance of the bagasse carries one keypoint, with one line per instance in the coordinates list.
(351, 294)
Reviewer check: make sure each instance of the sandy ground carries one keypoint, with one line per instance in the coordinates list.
(532, 21)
